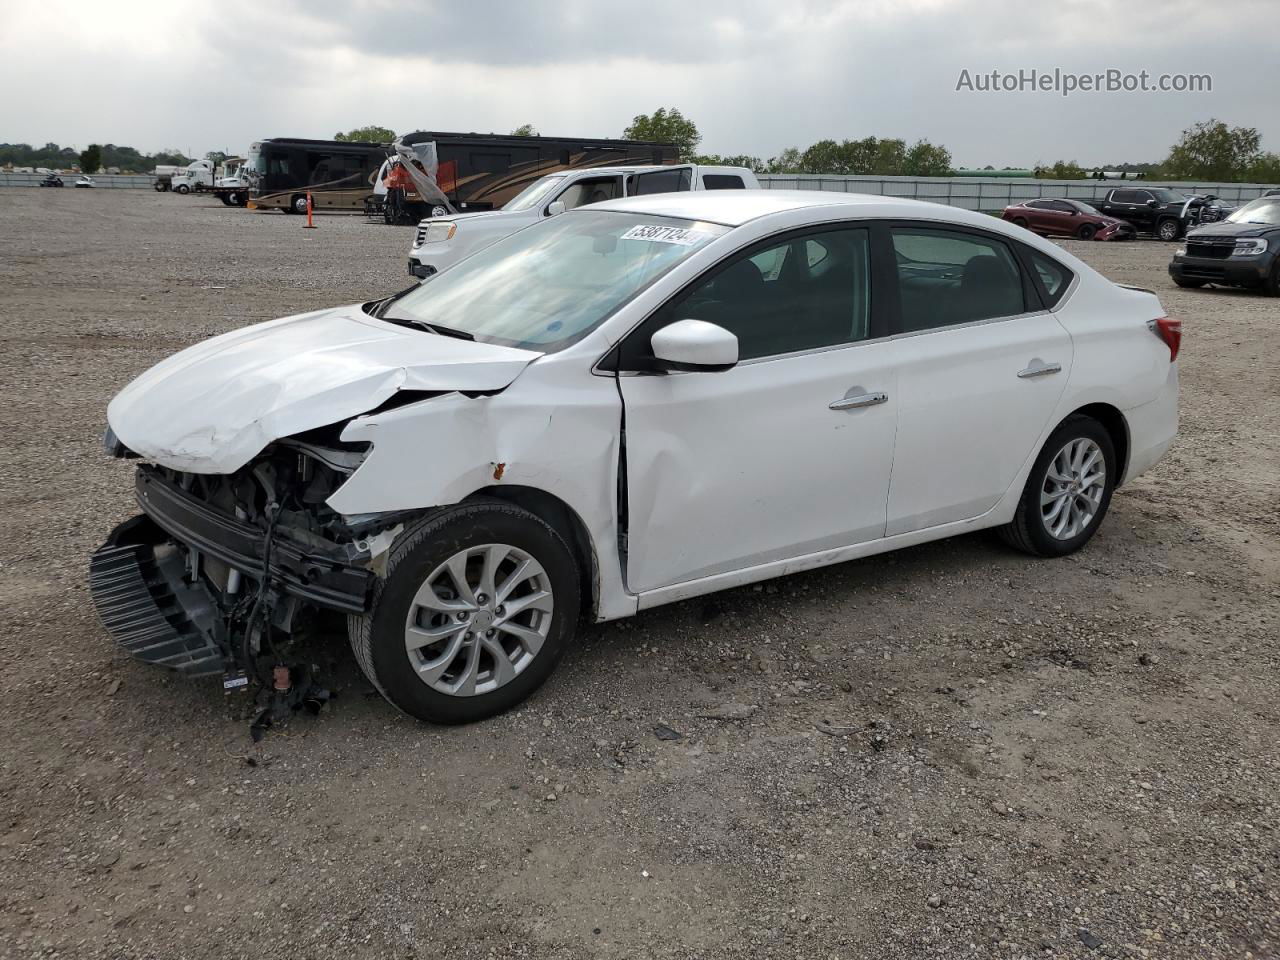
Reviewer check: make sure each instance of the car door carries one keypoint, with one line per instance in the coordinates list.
(1062, 218)
(786, 454)
(1131, 205)
(981, 366)
(1038, 216)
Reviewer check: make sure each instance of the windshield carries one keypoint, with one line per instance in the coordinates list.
(546, 286)
(533, 194)
(1265, 210)
(1168, 196)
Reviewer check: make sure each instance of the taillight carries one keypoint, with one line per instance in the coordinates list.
(1170, 331)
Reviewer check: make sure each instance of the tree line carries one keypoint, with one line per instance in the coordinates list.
(1207, 151)
(54, 156)
(872, 156)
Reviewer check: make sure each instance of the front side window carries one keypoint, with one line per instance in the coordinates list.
(946, 277)
(533, 194)
(595, 190)
(549, 285)
(799, 294)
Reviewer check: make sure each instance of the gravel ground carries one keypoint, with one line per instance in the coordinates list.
(952, 751)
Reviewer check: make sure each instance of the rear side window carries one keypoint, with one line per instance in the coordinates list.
(1054, 277)
(946, 277)
(664, 181)
(722, 181)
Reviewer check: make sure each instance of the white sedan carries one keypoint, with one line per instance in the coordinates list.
(636, 402)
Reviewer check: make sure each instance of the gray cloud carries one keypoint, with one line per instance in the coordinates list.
(755, 76)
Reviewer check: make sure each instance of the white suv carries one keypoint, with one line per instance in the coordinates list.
(442, 241)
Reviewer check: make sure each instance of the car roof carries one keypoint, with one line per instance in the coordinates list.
(733, 208)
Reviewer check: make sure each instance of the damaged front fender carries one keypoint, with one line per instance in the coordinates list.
(547, 432)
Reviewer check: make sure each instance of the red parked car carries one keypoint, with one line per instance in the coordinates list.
(1067, 218)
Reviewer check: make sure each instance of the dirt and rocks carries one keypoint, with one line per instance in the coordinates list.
(953, 751)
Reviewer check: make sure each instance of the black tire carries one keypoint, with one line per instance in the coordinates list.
(1086, 231)
(160, 187)
(1271, 286)
(1027, 531)
(1189, 284)
(1020, 222)
(298, 203)
(1168, 229)
(226, 201)
(239, 198)
(378, 639)
(182, 189)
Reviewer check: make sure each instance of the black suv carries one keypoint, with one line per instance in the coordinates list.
(1159, 210)
(1241, 251)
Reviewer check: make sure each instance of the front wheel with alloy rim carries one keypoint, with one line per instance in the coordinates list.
(477, 606)
(1067, 492)
(1086, 231)
(1168, 229)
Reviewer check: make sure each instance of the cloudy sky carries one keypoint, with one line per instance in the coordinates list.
(755, 75)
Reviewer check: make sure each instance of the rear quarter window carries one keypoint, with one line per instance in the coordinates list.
(1053, 278)
(722, 181)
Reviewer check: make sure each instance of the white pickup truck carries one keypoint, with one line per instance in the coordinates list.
(442, 241)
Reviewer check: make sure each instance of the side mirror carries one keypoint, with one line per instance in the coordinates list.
(694, 345)
(1153, 204)
(555, 208)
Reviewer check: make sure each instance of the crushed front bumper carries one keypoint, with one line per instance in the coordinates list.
(154, 597)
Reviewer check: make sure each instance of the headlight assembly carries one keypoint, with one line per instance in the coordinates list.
(1249, 248)
(439, 231)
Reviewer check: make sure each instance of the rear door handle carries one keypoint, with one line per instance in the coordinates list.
(1038, 368)
(861, 400)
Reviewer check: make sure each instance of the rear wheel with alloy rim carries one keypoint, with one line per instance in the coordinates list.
(477, 606)
(1068, 491)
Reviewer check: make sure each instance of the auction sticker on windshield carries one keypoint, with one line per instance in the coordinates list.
(660, 234)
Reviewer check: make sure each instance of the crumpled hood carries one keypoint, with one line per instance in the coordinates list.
(214, 406)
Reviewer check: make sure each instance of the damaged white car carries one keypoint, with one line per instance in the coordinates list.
(633, 403)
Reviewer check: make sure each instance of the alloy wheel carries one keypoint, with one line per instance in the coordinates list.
(479, 620)
(1073, 488)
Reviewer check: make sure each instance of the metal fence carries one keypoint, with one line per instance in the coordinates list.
(972, 193)
(120, 181)
(992, 193)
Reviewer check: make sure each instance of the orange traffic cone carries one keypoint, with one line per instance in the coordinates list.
(310, 225)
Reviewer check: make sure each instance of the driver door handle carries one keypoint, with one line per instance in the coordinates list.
(861, 400)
